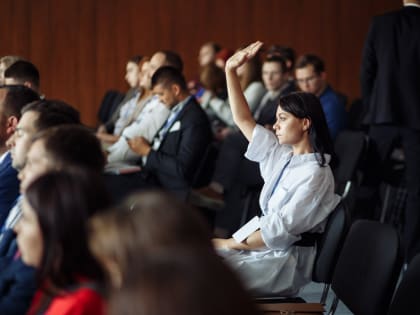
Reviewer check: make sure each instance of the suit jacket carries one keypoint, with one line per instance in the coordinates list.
(390, 72)
(9, 187)
(17, 286)
(174, 163)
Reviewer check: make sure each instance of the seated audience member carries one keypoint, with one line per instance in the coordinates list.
(23, 72)
(219, 109)
(52, 238)
(146, 223)
(66, 148)
(36, 116)
(146, 122)
(231, 166)
(185, 283)
(213, 79)
(151, 118)
(287, 53)
(298, 193)
(12, 99)
(171, 159)
(206, 56)
(6, 62)
(131, 77)
(131, 109)
(311, 78)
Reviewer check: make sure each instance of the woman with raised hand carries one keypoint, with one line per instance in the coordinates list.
(298, 193)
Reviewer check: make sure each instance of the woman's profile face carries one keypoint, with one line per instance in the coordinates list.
(29, 236)
(132, 74)
(288, 128)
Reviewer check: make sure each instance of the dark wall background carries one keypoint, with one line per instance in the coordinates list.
(81, 46)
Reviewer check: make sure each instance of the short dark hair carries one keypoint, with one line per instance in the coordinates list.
(173, 59)
(16, 98)
(52, 113)
(168, 75)
(63, 202)
(307, 105)
(277, 59)
(313, 60)
(135, 59)
(73, 146)
(285, 52)
(22, 71)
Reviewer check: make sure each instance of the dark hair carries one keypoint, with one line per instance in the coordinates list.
(285, 52)
(215, 46)
(23, 71)
(63, 203)
(306, 105)
(213, 78)
(73, 146)
(52, 113)
(16, 98)
(173, 59)
(189, 283)
(167, 76)
(252, 72)
(277, 59)
(312, 60)
(146, 223)
(135, 59)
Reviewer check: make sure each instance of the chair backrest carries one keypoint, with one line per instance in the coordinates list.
(367, 269)
(405, 298)
(349, 147)
(330, 244)
(108, 105)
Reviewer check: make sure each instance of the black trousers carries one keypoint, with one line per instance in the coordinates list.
(384, 138)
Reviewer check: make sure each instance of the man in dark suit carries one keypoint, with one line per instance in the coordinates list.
(390, 76)
(172, 158)
(12, 99)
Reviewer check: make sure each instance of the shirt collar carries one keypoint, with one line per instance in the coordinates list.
(3, 156)
(178, 107)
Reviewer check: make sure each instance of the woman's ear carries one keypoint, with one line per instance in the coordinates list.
(306, 124)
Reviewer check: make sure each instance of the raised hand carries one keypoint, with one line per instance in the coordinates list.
(242, 56)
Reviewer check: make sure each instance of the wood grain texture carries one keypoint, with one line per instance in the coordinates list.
(81, 46)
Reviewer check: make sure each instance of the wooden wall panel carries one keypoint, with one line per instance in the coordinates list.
(81, 46)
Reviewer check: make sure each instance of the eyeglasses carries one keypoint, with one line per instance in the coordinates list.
(309, 80)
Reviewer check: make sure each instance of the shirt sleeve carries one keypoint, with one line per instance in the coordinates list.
(265, 149)
(147, 127)
(308, 206)
(253, 95)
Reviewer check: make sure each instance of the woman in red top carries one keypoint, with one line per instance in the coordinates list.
(51, 236)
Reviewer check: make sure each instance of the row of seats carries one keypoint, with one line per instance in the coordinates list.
(362, 265)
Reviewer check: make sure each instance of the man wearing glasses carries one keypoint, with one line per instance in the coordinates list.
(311, 78)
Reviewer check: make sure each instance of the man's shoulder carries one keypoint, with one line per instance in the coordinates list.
(193, 108)
(392, 16)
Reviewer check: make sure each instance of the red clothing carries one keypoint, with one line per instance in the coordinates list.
(83, 301)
